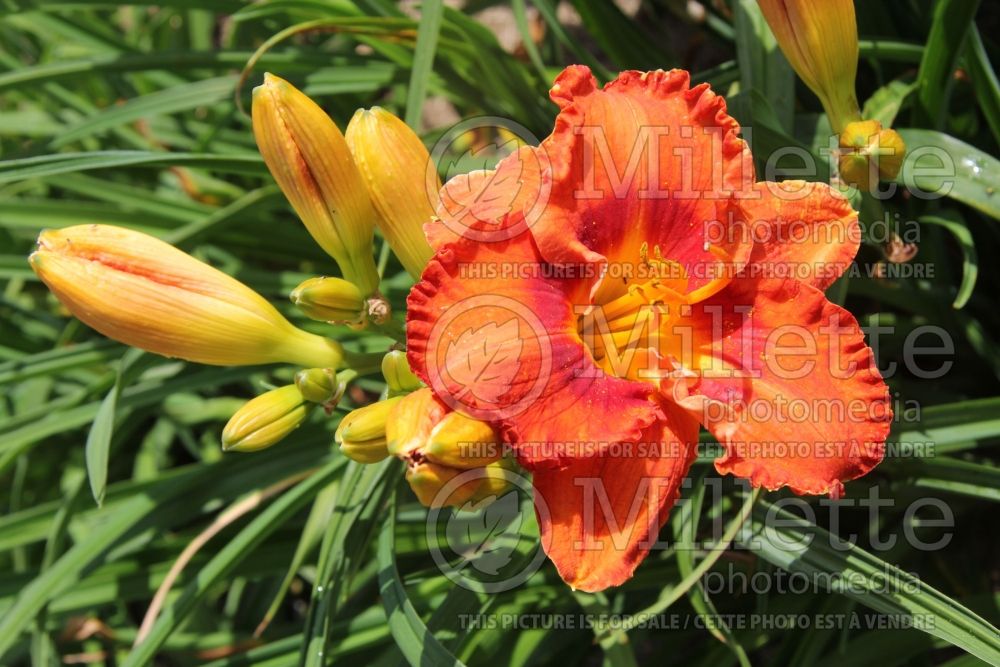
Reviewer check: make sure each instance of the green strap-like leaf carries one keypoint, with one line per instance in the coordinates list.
(938, 164)
(431, 12)
(797, 545)
(949, 27)
(99, 437)
(240, 547)
(417, 643)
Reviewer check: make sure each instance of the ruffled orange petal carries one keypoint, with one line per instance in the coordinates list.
(643, 169)
(600, 516)
(792, 391)
(495, 337)
(492, 205)
(805, 231)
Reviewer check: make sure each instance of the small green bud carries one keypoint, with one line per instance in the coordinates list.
(361, 434)
(320, 385)
(869, 153)
(397, 374)
(265, 420)
(330, 300)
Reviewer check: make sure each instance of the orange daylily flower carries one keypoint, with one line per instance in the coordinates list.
(598, 297)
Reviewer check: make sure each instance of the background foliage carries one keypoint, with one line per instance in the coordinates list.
(127, 115)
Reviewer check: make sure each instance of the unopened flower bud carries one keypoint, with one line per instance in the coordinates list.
(820, 40)
(438, 444)
(869, 153)
(496, 480)
(412, 420)
(143, 292)
(320, 385)
(310, 161)
(462, 442)
(362, 432)
(430, 483)
(265, 420)
(330, 300)
(398, 376)
(402, 182)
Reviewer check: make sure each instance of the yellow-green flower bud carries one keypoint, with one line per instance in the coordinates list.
(320, 385)
(265, 420)
(362, 432)
(428, 480)
(820, 40)
(330, 300)
(310, 161)
(462, 442)
(401, 181)
(398, 376)
(869, 153)
(496, 480)
(143, 292)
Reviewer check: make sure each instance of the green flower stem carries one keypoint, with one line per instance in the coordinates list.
(362, 363)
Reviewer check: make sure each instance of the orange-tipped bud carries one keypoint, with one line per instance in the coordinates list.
(869, 153)
(362, 432)
(265, 420)
(462, 442)
(401, 181)
(143, 292)
(309, 158)
(437, 445)
(398, 376)
(430, 483)
(496, 481)
(411, 422)
(330, 300)
(820, 40)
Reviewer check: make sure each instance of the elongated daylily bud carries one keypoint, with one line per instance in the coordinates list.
(310, 160)
(330, 300)
(143, 292)
(403, 189)
(398, 376)
(362, 432)
(265, 420)
(320, 385)
(820, 40)
(869, 153)
(462, 442)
